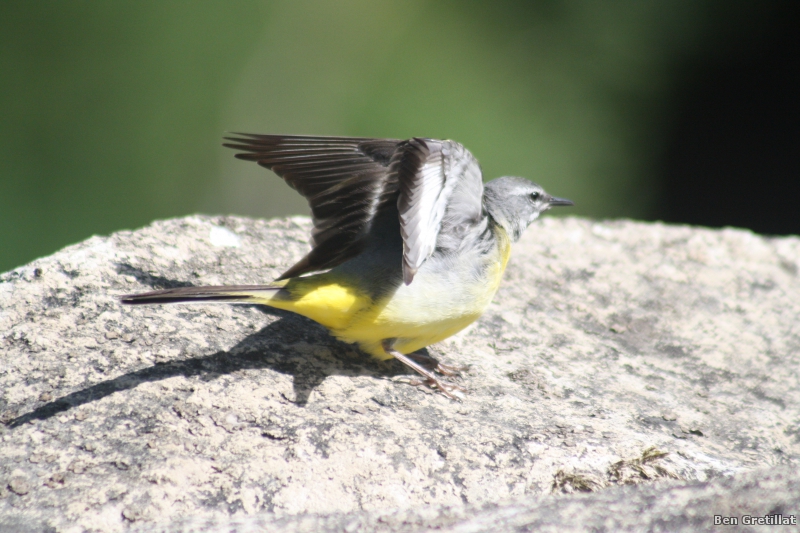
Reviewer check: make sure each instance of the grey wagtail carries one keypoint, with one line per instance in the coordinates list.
(413, 244)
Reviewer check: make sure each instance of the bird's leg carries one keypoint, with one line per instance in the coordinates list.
(431, 363)
(430, 378)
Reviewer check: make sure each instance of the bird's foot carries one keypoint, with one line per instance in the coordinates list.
(451, 390)
(433, 364)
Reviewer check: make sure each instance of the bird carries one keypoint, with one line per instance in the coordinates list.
(408, 244)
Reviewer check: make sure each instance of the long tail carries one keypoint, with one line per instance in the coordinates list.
(331, 302)
(254, 294)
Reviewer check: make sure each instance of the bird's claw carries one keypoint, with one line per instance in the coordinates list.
(451, 390)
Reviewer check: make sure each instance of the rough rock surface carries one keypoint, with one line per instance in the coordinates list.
(615, 353)
(646, 507)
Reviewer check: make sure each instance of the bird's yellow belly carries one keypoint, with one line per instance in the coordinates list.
(431, 309)
(409, 333)
(436, 305)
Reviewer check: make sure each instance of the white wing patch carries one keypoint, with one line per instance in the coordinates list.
(440, 187)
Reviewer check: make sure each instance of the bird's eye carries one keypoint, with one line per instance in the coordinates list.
(535, 196)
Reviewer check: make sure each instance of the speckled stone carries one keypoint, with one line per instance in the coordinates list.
(615, 353)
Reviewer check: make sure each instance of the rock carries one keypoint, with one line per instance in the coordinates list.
(19, 485)
(662, 358)
(648, 507)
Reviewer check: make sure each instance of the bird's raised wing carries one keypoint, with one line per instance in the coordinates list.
(441, 195)
(435, 185)
(346, 181)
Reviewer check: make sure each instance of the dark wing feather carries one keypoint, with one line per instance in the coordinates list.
(346, 181)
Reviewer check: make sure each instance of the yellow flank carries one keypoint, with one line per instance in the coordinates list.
(430, 309)
(323, 300)
(504, 249)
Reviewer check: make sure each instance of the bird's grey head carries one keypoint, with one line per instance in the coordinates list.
(516, 202)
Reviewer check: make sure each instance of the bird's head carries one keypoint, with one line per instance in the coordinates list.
(516, 202)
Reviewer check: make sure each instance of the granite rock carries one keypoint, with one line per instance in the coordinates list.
(662, 358)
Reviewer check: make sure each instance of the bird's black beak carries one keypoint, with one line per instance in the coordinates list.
(555, 202)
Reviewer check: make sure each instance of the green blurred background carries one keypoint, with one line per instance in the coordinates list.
(112, 113)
